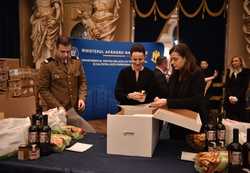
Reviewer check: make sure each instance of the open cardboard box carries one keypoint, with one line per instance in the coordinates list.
(180, 117)
(134, 131)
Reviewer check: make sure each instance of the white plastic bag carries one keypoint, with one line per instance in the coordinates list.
(14, 132)
(73, 118)
(230, 125)
(56, 117)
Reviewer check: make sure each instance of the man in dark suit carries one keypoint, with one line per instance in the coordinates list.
(162, 76)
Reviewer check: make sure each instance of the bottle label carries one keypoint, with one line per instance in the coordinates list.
(33, 155)
(211, 135)
(34, 152)
(235, 158)
(221, 134)
(20, 155)
(38, 123)
(33, 137)
(44, 137)
(211, 146)
(221, 144)
(248, 154)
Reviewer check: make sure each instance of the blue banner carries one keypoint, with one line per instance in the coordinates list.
(102, 62)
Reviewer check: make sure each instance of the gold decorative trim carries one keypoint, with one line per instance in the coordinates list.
(203, 6)
(162, 15)
(191, 15)
(215, 14)
(152, 9)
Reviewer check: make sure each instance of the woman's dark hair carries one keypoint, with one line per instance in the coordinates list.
(63, 40)
(190, 65)
(137, 48)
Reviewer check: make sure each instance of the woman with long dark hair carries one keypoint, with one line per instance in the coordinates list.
(186, 87)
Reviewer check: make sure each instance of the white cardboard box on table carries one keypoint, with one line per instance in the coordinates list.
(134, 131)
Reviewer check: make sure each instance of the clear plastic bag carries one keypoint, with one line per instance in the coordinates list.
(56, 117)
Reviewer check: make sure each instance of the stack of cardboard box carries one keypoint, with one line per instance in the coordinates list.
(3, 75)
(18, 85)
(22, 82)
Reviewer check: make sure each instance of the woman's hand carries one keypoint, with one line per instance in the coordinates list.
(215, 73)
(138, 96)
(233, 99)
(158, 102)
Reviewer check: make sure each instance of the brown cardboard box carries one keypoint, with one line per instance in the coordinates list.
(1, 115)
(17, 107)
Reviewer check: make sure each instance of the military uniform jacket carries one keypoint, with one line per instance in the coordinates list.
(62, 84)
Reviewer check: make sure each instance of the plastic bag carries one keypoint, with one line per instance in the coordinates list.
(56, 117)
(14, 132)
(230, 125)
(74, 119)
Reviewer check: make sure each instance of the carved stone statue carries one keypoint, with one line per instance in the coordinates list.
(46, 22)
(101, 22)
(246, 23)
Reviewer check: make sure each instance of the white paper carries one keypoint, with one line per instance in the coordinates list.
(188, 156)
(79, 147)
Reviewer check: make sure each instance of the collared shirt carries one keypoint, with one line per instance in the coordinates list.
(136, 72)
(235, 72)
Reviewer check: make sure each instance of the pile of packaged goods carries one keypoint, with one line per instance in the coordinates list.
(22, 82)
(210, 162)
(60, 142)
(3, 75)
(197, 141)
(63, 136)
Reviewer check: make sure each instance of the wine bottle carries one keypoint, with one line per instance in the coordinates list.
(33, 131)
(44, 137)
(235, 153)
(39, 117)
(246, 151)
(220, 133)
(211, 137)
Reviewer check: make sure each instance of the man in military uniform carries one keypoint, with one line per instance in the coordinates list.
(62, 81)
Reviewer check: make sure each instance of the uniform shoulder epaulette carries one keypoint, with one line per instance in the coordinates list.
(75, 57)
(47, 60)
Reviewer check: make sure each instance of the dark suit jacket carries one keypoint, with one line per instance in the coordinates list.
(188, 94)
(161, 83)
(236, 87)
(126, 83)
